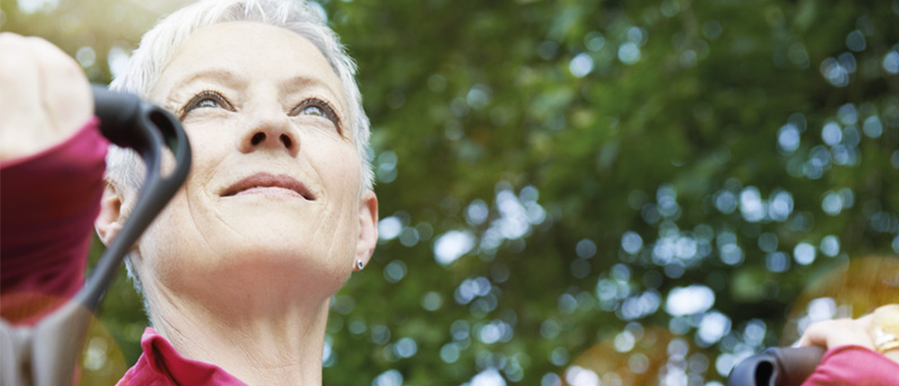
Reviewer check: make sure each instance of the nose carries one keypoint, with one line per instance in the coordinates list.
(273, 133)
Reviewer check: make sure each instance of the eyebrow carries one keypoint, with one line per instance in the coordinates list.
(292, 85)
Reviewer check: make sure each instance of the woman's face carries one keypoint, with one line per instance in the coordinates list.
(274, 192)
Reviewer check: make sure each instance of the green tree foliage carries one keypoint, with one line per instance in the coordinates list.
(636, 191)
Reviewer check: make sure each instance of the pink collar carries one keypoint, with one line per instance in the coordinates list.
(160, 364)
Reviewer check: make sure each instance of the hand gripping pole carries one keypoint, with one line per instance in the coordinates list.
(46, 354)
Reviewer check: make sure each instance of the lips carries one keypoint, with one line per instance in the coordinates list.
(265, 182)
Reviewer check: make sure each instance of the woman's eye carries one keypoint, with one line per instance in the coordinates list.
(313, 110)
(207, 103)
(206, 99)
(317, 108)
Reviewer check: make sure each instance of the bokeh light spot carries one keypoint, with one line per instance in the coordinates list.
(804, 253)
(581, 65)
(629, 53)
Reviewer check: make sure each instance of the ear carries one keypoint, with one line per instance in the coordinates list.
(368, 226)
(109, 222)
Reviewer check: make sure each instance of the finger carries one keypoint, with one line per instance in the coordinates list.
(18, 76)
(835, 333)
(815, 334)
(22, 119)
(7, 37)
(65, 89)
(851, 332)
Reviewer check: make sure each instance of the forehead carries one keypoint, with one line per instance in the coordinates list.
(247, 51)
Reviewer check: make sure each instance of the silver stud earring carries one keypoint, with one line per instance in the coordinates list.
(359, 265)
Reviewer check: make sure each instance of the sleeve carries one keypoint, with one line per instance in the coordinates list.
(854, 365)
(48, 203)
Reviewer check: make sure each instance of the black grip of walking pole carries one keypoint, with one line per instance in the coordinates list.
(128, 121)
(784, 366)
(119, 115)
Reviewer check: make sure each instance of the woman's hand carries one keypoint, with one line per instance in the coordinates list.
(45, 97)
(878, 331)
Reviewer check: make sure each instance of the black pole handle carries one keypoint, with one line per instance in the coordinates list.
(784, 366)
(128, 121)
(119, 115)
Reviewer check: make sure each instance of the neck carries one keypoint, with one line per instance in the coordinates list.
(260, 344)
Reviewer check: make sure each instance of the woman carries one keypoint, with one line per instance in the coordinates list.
(239, 269)
(278, 210)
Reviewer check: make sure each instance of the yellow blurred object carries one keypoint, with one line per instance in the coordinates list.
(856, 289)
(102, 361)
(656, 355)
(885, 328)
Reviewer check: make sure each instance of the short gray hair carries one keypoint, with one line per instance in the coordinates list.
(123, 167)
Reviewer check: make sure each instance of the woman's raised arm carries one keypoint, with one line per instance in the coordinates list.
(52, 161)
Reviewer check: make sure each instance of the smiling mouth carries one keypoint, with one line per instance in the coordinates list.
(265, 183)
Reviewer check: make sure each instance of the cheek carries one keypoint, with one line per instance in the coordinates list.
(164, 240)
(175, 232)
(210, 144)
(339, 167)
(209, 138)
(337, 164)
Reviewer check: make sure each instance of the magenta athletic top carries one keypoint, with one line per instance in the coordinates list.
(854, 365)
(49, 202)
(161, 365)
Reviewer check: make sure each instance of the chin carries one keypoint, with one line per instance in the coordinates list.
(286, 273)
(279, 241)
(286, 248)
(274, 267)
